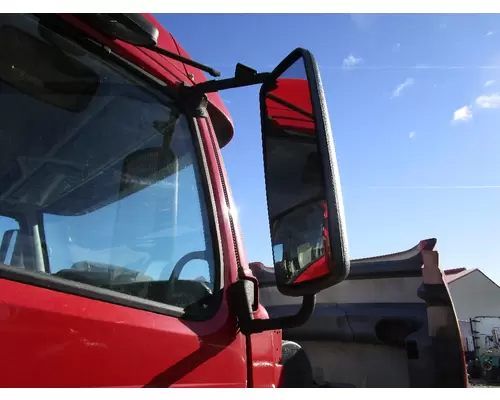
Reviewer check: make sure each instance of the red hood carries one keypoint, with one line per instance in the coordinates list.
(295, 92)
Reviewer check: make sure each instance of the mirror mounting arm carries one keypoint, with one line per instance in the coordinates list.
(287, 322)
(243, 76)
(194, 96)
(244, 303)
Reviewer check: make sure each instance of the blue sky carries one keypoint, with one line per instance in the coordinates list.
(415, 114)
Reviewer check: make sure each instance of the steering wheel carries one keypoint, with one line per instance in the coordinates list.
(179, 266)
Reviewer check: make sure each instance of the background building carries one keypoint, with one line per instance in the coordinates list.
(473, 293)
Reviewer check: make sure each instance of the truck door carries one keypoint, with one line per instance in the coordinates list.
(373, 329)
(111, 269)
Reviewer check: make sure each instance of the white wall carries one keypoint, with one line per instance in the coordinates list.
(475, 295)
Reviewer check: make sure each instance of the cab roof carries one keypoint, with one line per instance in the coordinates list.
(218, 112)
(170, 71)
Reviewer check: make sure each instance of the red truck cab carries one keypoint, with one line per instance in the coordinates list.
(70, 332)
(120, 242)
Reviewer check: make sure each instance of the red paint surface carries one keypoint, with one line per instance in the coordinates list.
(295, 92)
(52, 339)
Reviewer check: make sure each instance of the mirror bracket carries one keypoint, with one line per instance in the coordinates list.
(195, 96)
(195, 101)
(243, 76)
(244, 303)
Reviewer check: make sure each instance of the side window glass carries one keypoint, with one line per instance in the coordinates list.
(9, 231)
(153, 243)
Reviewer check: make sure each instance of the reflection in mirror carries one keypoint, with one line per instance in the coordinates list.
(294, 179)
(299, 243)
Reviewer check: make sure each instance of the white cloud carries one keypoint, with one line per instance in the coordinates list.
(411, 135)
(351, 61)
(489, 83)
(462, 114)
(401, 87)
(488, 101)
(489, 33)
(363, 21)
(396, 47)
(436, 187)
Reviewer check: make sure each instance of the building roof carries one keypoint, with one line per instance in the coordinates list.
(453, 271)
(452, 275)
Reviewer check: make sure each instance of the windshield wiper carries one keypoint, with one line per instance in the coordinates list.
(174, 56)
(135, 29)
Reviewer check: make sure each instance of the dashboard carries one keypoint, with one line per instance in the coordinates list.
(191, 295)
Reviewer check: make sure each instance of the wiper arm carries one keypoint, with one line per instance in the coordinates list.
(175, 56)
(135, 29)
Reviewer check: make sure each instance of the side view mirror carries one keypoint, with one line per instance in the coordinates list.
(8, 245)
(303, 189)
(144, 167)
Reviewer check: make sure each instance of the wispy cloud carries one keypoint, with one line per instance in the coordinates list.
(351, 61)
(489, 83)
(462, 114)
(411, 135)
(363, 21)
(396, 47)
(436, 187)
(488, 101)
(489, 33)
(397, 92)
(425, 66)
(414, 67)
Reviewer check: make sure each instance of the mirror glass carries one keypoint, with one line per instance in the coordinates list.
(294, 179)
(300, 239)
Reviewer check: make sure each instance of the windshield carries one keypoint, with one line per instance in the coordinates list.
(100, 173)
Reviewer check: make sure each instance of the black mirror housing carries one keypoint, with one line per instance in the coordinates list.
(301, 177)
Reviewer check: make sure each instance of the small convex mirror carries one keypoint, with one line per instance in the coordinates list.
(303, 190)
